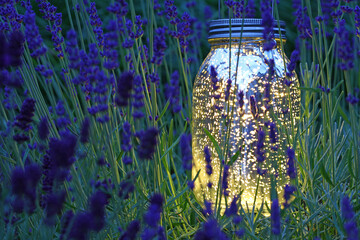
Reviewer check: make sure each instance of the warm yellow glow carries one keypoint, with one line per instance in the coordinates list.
(251, 79)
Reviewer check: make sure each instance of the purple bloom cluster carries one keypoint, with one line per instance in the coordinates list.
(23, 120)
(126, 142)
(152, 218)
(225, 180)
(173, 92)
(73, 50)
(227, 89)
(350, 221)
(294, 58)
(352, 99)
(253, 107)
(138, 96)
(288, 192)
(357, 20)
(291, 171)
(275, 217)
(302, 23)
(124, 87)
(11, 19)
(126, 186)
(32, 35)
(53, 205)
(267, 22)
(240, 98)
(344, 46)
(58, 160)
(23, 184)
(207, 155)
(159, 45)
(96, 23)
(119, 7)
(148, 143)
(91, 220)
(11, 51)
(131, 231)
(210, 230)
(110, 44)
(185, 146)
(171, 12)
(259, 151)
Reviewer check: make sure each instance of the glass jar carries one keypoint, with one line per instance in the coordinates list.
(244, 116)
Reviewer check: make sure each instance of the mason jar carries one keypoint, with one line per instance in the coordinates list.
(244, 116)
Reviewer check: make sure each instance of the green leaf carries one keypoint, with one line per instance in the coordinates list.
(234, 158)
(216, 145)
(325, 175)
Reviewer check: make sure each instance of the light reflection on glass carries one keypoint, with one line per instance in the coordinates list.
(221, 117)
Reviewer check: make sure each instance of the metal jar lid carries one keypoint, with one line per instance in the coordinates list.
(246, 28)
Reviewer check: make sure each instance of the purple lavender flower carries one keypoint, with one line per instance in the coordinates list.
(302, 23)
(124, 87)
(185, 146)
(288, 192)
(240, 97)
(131, 231)
(24, 118)
(184, 30)
(73, 50)
(81, 226)
(259, 151)
(119, 7)
(291, 171)
(32, 34)
(208, 160)
(53, 206)
(267, 22)
(11, 19)
(138, 96)
(152, 216)
(85, 131)
(110, 44)
(272, 132)
(233, 209)
(210, 230)
(96, 22)
(227, 89)
(173, 92)
(275, 217)
(126, 137)
(43, 129)
(159, 45)
(357, 20)
(61, 153)
(344, 46)
(225, 180)
(214, 78)
(253, 107)
(171, 12)
(97, 203)
(148, 143)
(294, 58)
(353, 100)
(250, 9)
(14, 49)
(350, 221)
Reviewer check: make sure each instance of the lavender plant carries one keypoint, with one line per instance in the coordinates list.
(95, 114)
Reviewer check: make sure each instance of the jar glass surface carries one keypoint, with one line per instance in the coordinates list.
(243, 67)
